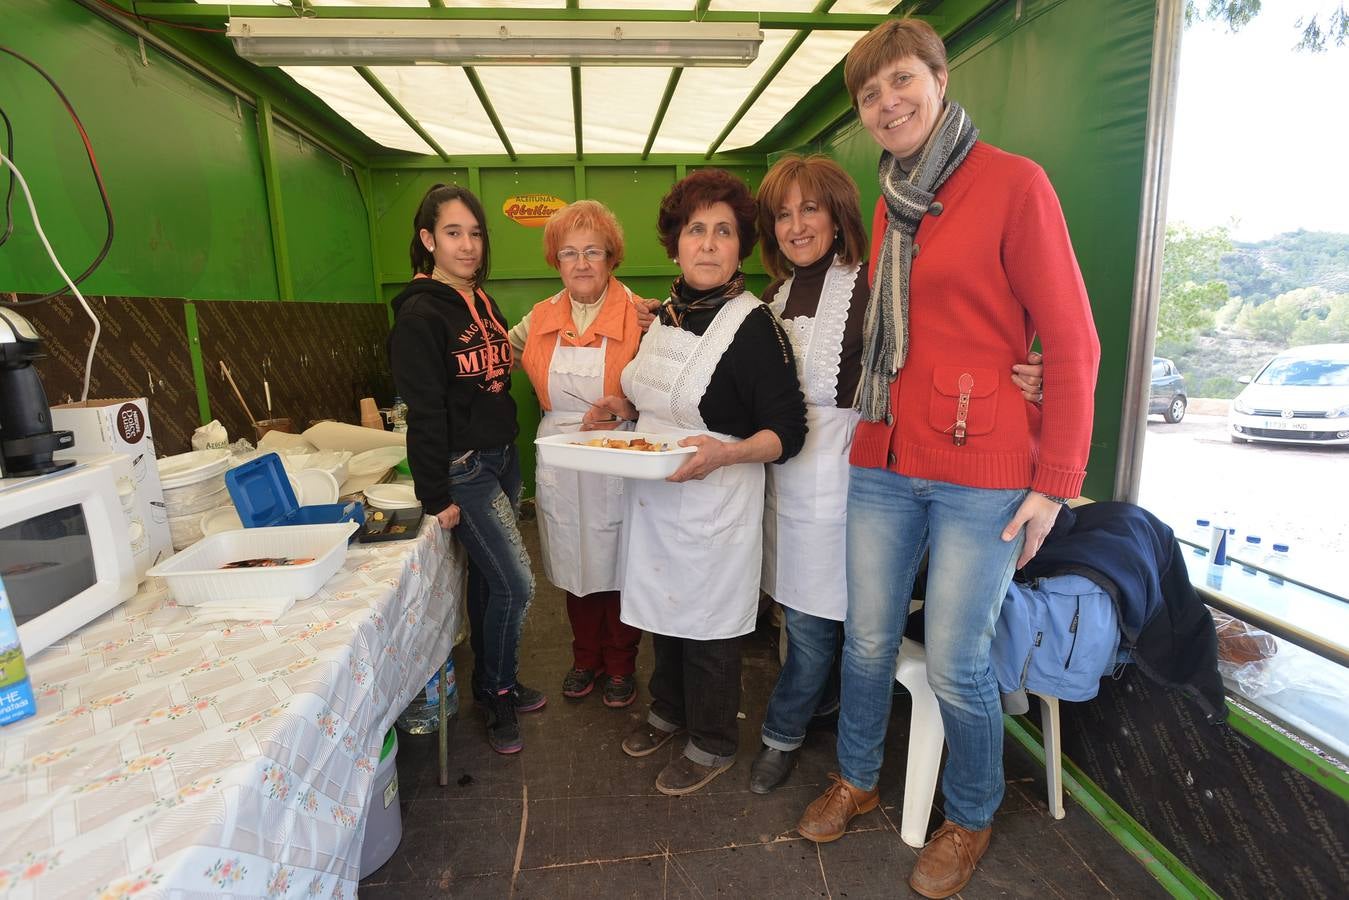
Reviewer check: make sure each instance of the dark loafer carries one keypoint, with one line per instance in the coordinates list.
(771, 768)
(684, 776)
(646, 739)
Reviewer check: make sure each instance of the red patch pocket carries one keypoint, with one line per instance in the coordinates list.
(983, 409)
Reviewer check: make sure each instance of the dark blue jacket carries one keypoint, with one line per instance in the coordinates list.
(1135, 557)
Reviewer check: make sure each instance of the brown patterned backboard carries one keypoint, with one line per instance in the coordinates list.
(319, 359)
(142, 352)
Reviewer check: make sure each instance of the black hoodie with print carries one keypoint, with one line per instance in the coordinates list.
(455, 380)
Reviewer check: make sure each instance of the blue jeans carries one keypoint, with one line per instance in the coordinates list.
(500, 581)
(892, 519)
(804, 682)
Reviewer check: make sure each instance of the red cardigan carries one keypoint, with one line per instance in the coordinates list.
(992, 269)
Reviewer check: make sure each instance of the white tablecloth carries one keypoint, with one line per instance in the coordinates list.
(238, 758)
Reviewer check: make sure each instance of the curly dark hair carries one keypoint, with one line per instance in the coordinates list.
(701, 189)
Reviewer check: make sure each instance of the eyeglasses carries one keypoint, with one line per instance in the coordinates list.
(592, 254)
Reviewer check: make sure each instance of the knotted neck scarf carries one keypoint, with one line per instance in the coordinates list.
(684, 299)
(907, 199)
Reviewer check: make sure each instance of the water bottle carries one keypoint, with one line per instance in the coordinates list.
(1276, 563)
(398, 414)
(1250, 552)
(422, 715)
(1199, 535)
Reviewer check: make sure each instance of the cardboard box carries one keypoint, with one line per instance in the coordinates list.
(122, 426)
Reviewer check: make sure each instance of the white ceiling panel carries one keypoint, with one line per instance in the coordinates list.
(618, 103)
(351, 98)
(442, 100)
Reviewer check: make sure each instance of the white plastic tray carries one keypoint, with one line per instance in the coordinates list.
(195, 578)
(568, 451)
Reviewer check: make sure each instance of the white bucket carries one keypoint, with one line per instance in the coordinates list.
(383, 819)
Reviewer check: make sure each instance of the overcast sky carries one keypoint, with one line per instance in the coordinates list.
(1262, 136)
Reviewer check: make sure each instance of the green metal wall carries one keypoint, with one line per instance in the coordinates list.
(1064, 82)
(183, 168)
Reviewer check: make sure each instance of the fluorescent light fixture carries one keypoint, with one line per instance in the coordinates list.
(391, 42)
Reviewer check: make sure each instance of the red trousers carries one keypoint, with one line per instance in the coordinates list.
(599, 640)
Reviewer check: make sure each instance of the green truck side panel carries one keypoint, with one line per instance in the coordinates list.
(184, 172)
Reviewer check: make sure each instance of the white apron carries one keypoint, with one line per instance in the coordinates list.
(580, 513)
(692, 552)
(806, 502)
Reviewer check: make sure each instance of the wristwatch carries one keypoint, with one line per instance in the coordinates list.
(1060, 500)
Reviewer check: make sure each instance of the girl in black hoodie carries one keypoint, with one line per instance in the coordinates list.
(451, 363)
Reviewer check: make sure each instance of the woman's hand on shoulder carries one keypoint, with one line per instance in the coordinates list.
(646, 313)
(1036, 514)
(1029, 377)
(607, 413)
(712, 455)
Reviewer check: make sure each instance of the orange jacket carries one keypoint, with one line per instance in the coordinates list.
(617, 320)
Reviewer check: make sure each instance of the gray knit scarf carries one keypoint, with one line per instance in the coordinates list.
(907, 199)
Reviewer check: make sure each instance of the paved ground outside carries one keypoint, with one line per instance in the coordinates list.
(1287, 493)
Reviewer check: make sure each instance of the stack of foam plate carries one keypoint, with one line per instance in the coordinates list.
(194, 483)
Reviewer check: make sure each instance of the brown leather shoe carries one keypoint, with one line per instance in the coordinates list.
(947, 862)
(827, 818)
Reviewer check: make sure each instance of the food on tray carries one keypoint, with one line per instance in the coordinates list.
(619, 444)
(265, 562)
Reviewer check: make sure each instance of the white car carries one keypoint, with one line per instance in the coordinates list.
(1301, 396)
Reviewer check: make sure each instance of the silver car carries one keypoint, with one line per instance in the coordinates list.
(1301, 396)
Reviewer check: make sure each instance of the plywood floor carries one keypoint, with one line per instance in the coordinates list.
(573, 817)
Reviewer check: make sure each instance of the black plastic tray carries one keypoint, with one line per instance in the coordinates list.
(376, 531)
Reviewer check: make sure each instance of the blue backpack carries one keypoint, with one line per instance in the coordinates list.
(1056, 636)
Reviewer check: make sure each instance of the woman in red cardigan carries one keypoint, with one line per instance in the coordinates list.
(971, 259)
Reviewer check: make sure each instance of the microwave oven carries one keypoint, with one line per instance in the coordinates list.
(65, 547)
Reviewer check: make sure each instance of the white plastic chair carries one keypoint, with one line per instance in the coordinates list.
(927, 735)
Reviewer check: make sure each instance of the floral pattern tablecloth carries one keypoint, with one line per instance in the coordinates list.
(173, 758)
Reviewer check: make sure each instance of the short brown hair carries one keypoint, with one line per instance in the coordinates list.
(583, 215)
(887, 42)
(702, 189)
(824, 181)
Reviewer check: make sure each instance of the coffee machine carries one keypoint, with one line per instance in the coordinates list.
(27, 440)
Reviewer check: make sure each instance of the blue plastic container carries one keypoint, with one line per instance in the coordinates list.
(263, 497)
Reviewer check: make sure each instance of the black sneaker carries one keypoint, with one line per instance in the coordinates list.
(503, 729)
(620, 691)
(578, 683)
(526, 699)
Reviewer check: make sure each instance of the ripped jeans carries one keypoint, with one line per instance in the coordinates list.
(486, 487)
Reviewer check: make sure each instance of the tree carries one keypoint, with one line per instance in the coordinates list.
(1317, 33)
(1191, 290)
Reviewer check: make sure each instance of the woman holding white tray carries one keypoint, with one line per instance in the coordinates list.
(716, 372)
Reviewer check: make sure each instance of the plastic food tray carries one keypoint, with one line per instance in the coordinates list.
(195, 578)
(568, 451)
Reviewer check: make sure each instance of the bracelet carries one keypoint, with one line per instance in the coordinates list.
(1063, 501)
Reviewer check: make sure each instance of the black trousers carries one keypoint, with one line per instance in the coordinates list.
(696, 686)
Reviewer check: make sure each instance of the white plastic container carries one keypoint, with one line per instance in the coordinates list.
(193, 483)
(195, 578)
(569, 451)
(383, 825)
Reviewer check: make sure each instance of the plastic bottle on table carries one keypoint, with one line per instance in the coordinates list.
(399, 415)
(1250, 552)
(1199, 535)
(1276, 563)
(422, 715)
(1217, 556)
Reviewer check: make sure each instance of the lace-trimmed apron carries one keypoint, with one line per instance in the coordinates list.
(806, 501)
(691, 552)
